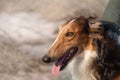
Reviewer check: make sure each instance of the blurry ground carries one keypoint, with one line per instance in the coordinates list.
(27, 29)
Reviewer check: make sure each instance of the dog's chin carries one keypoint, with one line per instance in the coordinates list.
(63, 61)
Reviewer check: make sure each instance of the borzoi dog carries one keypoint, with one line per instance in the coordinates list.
(91, 51)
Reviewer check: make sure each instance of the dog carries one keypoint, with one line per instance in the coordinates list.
(89, 50)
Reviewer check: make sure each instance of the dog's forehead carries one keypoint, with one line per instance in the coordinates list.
(73, 25)
(71, 21)
(68, 24)
(76, 24)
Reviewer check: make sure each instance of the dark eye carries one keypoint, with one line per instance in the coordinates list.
(100, 25)
(69, 34)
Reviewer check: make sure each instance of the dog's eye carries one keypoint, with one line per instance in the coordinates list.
(69, 34)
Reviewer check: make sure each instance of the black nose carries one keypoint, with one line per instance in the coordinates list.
(46, 59)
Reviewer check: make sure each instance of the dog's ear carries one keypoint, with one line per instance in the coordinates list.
(91, 20)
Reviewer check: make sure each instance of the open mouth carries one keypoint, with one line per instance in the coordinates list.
(62, 62)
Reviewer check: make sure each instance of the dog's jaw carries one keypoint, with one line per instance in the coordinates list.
(80, 67)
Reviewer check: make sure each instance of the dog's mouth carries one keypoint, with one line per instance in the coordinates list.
(62, 62)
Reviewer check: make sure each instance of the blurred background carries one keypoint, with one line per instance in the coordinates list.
(29, 27)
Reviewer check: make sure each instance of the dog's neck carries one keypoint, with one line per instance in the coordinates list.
(84, 66)
(81, 67)
(97, 64)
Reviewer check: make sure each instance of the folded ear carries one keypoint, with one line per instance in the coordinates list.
(92, 20)
(96, 30)
(98, 27)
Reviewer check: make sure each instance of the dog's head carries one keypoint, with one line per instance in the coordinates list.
(72, 39)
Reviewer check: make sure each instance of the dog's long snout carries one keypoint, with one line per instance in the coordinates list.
(46, 59)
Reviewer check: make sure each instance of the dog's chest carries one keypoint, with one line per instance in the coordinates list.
(81, 67)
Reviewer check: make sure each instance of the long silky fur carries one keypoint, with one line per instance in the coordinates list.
(103, 65)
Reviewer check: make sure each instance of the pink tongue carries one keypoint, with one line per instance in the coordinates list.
(56, 70)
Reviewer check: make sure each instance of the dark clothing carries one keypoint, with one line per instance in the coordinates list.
(111, 17)
(112, 12)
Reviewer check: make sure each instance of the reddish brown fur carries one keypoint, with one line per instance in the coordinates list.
(63, 43)
(82, 38)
